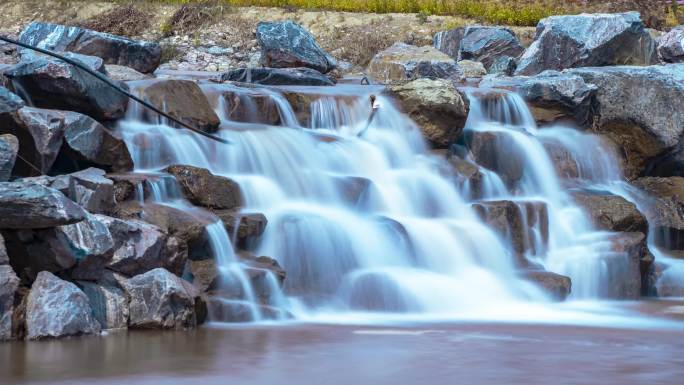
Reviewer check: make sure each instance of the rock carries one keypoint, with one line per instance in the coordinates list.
(246, 227)
(160, 300)
(9, 147)
(31, 206)
(57, 308)
(518, 224)
(670, 49)
(89, 188)
(138, 246)
(564, 163)
(205, 274)
(634, 110)
(9, 283)
(439, 109)
(41, 134)
(625, 267)
(468, 176)
(278, 77)
(611, 212)
(9, 102)
(109, 305)
(586, 40)
(472, 69)
(125, 74)
(402, 62)
(666, 210)
(287, 44)
(4, 258)
(54, 84)
(557, 286)
(479, 43)
(141, 56)
(182, 99)
(503, 65)
(258, 270)
(492, 150)
(671, 164)
(250, 107)
(205, 189)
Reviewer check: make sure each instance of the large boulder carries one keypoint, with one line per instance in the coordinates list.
(666, 209)
(277, 77)
(32, 206)
(138, 246)
(205, 189)
(588, 40)
(9, 283)
(9, 147)
(287, 44)
(439, 109)
(634, 110)
(54, 84)
(139, 55)
(611, 212)
(479, 43)
(557, 286)
(57, 308)
(160, 300)
(109, 304)
(402, 62)
(182, 99)
(670, 48)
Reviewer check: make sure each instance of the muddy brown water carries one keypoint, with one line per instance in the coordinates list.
(425, 353)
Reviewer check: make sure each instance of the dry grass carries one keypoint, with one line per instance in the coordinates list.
(124, 20)
(192, 16)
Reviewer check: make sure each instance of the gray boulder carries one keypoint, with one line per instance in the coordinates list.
(32, 206)
(160, 300)
(287, 44)
(278, 77)
(138, 246)
(9, 147)
(41, 134)
(89, 188)
(670, 48)
(402, 62)
(57, 308)
(139, 55)
(503, 65)
(109, 304)
(588, 40)
(479, 43)
(9, 283)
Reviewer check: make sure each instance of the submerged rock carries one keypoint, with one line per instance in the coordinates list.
(32, 206)
(479, 43)
(287, 44)
(278, 77)
(586, 40)
(628, 268)
(9, 147)
(9, 283)
(139, 55)
(402, 62)
(182, 99)
(245, 227)
(205, 189)
(670, 48)
(57, 308)
(439, 109)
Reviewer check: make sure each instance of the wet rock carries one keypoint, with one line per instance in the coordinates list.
(665, 210)
(503, 65)
(524, 225)
(246, 227)
(670, 49)
(563, 162)
(57, 308)
(479, 43)
(141, 56)
(9, 147)
(9, 283)
(278, 77)
(492, 150)
(634, 110)
(54, 84)
(439, 109)
(109, 304)
(623, 269)
(472, 69)
(205, 274)
(250, 107)
(182, 99)
(131, 185)
(287, 44)
(402, 62)
(469, 177)
(160, 300)
(138, 246)
(205, 189)
(32, 206)
(612, 212)
(587, 40)
(124, 74)
(557, 286)
(671, 164)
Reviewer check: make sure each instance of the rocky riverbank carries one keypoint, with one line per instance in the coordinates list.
(84, 248)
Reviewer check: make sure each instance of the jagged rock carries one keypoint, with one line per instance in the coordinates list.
(203, 188)
(182, 99)
(245, 226)
(138, 246)
(141, 56)
(89, 188)
(666, 210)
(402, 62)
(125, 74)
(4, 258)
(519, 224)
(287, 44)
(670, 49)
(32, 206)
(57, 308)
(9, 147)
(479, 43)
(9, 283)
(439, 109)
(41, 134)
(503, 65)
(672, 164)
(278, 77)
(472, 69)
(634, 110)
(612, 212)
(109, 305)
(555, 285)
(586, 40)
(160, 300)
(54, 84)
